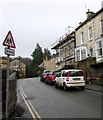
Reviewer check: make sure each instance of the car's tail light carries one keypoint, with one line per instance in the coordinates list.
(54, 77)
(67, 79)
(69, 74)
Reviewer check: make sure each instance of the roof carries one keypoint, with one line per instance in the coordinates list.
(88, 19)
(68, 37)
(4, 58)
(19, 59)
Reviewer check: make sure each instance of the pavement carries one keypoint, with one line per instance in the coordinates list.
(94, 87)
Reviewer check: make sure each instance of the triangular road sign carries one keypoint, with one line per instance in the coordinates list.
(9, 41)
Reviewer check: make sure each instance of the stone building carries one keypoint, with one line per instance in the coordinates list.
(65, 51)
(3, 62)
(89, 41)
(17, 65)
(49, 64)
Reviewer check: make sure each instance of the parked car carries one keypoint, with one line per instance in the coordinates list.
(70, 78)
(44, 75)
(50, 79)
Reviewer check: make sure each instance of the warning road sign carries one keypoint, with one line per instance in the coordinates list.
(9, 41)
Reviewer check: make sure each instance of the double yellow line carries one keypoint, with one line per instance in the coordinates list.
(32, 110)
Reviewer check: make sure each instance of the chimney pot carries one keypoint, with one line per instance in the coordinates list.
(89, 13)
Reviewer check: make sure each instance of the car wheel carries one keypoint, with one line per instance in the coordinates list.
(41, 79)
(46, 81)
(56, 86)
(82, 87)
(65, 87)
(50, 83)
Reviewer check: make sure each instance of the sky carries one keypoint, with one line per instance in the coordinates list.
(41, 21)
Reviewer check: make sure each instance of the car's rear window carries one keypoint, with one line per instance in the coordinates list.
(76, 73)
(58, 74)
(72, 73)
(52, 73)
(46, 71)
(65, 74)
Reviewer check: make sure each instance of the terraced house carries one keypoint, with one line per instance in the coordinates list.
(89, 44)
(82, 48)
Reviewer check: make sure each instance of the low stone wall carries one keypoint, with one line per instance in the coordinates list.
(12, 93)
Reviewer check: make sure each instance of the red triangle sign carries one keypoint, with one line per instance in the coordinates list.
(9, 41)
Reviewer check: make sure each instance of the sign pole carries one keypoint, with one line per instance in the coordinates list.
(9, 42)
(7, 86)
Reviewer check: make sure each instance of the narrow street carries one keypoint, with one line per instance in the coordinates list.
(44, 101)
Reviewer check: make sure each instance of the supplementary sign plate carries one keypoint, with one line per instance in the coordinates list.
(9, 51)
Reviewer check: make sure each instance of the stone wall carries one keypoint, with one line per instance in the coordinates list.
(85, 66)
(12, 93)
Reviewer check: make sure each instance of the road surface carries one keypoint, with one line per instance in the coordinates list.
(45, 101)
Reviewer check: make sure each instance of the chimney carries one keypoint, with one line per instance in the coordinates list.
(80, 23)
(89, 13)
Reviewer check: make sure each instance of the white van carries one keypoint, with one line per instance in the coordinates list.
(70, 78)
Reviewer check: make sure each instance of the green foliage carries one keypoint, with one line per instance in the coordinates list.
(37, 55)
(33, 69)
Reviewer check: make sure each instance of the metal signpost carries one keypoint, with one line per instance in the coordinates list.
(9, 42)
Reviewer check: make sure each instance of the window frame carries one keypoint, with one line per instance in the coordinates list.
(83, 56)
(101, 26)
(90, 33)
(82, 37)
(98, 48)
(91, 52)
(78, 55)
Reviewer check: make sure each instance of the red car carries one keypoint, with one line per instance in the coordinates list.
(50, 78)
(44, 75)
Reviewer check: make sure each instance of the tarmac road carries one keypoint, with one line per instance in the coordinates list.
(40, 100)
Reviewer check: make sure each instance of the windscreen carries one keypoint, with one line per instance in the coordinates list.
(76, 73)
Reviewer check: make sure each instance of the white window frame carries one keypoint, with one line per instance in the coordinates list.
(101, 26)
(90, 33)
(78, 55)
(83, 54)
(90, 52)
(82, 37)
(99, 47)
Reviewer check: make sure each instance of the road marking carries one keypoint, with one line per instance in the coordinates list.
(30, 105)
(27, 105)
(38, 116)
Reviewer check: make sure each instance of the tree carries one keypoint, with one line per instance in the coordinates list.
(47, 54)
(33, 68)
(37, 55)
